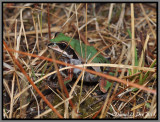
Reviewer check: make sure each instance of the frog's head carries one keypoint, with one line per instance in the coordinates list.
(56, 48)
(63, 48)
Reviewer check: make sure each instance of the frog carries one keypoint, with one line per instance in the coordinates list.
(75, 52)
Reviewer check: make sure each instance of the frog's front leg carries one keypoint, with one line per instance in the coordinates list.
(70, 72)
(70, 76)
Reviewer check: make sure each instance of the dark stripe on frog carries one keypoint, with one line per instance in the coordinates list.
(69, 50)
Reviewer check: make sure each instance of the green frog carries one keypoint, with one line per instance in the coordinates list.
(73, 52)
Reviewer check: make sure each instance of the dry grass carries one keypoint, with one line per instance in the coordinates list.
(124, 32)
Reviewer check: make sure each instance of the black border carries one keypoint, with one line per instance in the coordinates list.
(157, 8)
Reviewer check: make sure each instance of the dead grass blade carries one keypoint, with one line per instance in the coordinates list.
(133, 36)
